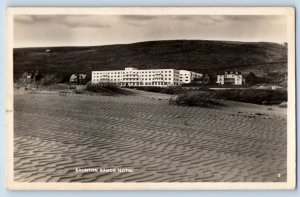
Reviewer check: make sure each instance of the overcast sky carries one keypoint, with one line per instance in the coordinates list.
(88, 30)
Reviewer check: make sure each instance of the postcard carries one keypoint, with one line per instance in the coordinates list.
(151, 98)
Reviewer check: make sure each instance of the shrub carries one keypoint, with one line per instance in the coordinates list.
(107, 89)
(196, 98)
(53, 78)
(172, 90)
(212, 98)
(164, 90)
(149, 89)
(257, 96)
(101, 87)
(78, 91)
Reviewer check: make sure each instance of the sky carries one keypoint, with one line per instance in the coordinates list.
(92, 30)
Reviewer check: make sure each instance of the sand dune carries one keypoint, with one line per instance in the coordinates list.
(54, 135)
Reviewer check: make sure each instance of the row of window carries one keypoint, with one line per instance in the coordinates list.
(230, 77)
(122, 72)
(161, 71)
(132, 79)
(139, 72)
(149, 79)
(143, 79)
(143, 83)
(117, 76)
(127, 78)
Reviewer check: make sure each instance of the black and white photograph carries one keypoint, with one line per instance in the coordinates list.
(151, 98)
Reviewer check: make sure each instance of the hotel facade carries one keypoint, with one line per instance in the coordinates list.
(230, 77)
(148, 77)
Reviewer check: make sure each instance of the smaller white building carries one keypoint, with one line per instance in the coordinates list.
(230, 77)
(188, 76)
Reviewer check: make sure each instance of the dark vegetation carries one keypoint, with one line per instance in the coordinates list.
(196, 55)
(196, 98)
(213, 97)
(256, 96)
(46, 79)
(98, 87)
(164, 90)
(106, 88)
(214, 85)
(53, 78)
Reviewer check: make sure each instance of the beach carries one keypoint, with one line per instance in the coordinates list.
(55, 134)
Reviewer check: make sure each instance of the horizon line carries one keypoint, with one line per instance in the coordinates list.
(237, 41)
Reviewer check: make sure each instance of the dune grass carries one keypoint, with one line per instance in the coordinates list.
(214, 98)
(164, 90)
(106, 88)
(196, 98)
(256, 96)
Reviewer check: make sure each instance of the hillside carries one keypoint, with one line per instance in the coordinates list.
(197, 55)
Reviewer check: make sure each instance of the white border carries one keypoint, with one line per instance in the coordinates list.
(291, 119)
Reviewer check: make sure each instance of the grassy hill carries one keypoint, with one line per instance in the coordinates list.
(197, 55)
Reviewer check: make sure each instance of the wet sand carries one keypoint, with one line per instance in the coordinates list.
(54, 135)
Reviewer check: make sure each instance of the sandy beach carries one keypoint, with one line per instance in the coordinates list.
(54, 135)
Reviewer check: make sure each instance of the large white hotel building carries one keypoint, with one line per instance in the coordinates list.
(150, 77)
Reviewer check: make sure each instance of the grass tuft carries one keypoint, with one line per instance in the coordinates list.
(196, 98)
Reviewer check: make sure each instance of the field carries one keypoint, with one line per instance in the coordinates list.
(55, 134)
